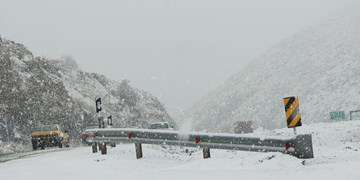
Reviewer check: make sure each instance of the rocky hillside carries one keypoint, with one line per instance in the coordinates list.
(321, 65)
(36, 90)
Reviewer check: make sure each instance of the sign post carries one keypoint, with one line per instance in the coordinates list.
(101, 121)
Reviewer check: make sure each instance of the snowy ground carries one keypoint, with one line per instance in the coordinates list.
(337, 151)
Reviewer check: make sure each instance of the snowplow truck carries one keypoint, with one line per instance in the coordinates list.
(49, 136)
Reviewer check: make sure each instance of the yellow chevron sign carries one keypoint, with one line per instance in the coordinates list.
(292, 111)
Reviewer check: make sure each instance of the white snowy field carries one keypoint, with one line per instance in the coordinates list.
(337, 151)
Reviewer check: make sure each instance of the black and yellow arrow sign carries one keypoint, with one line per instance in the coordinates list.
(292, 111)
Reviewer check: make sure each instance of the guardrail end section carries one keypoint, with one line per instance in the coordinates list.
(94, 147)
(303, 146)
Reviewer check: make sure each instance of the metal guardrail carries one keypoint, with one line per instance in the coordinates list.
(13, 156)
(299, 146)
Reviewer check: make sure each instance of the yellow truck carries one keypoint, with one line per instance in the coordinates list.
(49, 136)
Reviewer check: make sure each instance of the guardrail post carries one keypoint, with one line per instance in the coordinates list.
(138, 149)
(206, 152)
(94, 147)
(103, 149)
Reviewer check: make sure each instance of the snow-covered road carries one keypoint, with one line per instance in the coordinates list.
(337, 151)
(12, 156)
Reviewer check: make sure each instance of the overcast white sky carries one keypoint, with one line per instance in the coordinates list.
(178, 50)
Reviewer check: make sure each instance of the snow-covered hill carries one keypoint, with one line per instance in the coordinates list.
(336, 148)
(321, 65)
(37, 90)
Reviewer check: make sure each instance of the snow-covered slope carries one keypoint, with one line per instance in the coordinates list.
(37, 90)
(128, 106)
(336, 148)
(321, 65)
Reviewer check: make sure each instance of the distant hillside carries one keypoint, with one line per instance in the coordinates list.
(320, 65)
(36, 90)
